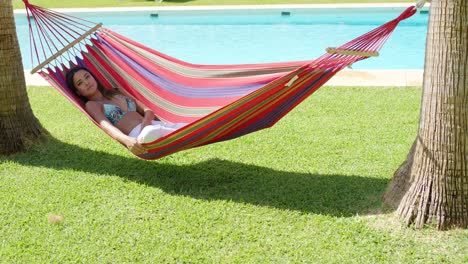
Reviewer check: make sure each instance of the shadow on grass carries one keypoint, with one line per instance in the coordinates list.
(218, 179)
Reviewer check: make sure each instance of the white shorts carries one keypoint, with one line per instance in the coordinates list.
(154, 131)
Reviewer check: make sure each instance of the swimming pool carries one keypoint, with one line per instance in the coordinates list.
(260, 35)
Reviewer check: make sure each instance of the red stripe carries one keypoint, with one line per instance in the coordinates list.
(213, 67)
(186, 80)
(161, 92)
(160, 112)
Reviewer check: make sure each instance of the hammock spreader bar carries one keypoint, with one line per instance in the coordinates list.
(220, 102)
(67, 47)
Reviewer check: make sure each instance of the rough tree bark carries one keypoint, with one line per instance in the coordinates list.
(18, 125)
(431, 186)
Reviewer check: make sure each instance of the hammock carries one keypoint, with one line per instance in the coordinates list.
(220, 102)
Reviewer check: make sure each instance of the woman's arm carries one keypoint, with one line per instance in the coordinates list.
(95, 110)
(148, 114)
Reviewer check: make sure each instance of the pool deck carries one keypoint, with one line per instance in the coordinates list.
(347, 77)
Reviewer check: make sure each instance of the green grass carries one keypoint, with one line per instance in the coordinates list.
(307, 190)
(115, 3)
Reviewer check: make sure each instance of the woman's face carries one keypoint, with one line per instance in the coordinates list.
(85, 83)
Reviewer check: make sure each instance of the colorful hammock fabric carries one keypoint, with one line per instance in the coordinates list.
(220, 102)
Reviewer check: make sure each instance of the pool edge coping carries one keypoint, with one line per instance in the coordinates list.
(227, 7)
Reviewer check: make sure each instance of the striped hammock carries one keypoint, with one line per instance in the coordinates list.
(220, 102)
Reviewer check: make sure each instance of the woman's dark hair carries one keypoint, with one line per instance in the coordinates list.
(107, 93)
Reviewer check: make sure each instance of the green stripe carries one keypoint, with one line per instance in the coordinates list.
(236, 105)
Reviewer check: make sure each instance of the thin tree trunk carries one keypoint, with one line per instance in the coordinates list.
(431, 186)
(18, 125)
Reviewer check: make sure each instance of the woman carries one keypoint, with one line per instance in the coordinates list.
(126, 119)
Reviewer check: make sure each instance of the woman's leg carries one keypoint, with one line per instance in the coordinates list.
(156, 130)
(135, 131)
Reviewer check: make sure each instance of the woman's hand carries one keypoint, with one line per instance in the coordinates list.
(134, 146)
(145, 123)
(147, 118)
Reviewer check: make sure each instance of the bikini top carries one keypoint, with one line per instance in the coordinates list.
(115, 113)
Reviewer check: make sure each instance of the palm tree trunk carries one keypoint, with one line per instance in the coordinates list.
(431, 186)
(18, 125)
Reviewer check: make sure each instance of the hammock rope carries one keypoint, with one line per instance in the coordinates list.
(220, 102)
(51, 32)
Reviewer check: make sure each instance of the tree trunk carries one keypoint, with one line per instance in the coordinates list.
(431, 186)
(18, 125)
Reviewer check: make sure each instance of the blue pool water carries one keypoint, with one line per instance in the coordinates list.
(254, 36)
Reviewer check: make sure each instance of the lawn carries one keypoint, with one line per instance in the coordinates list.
(115, 3)
(307, 190)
